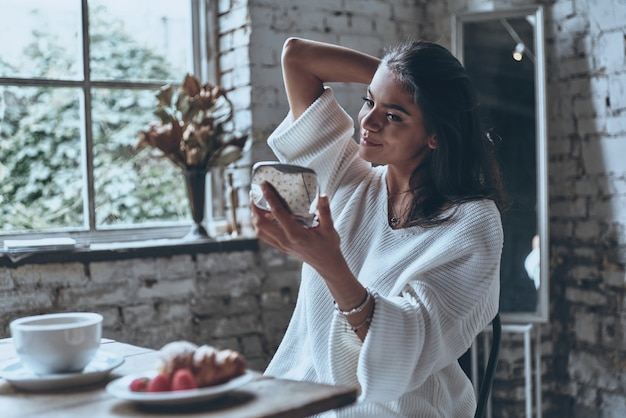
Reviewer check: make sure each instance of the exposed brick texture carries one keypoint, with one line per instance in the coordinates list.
(239, 300)
(584, 343)
(244, 300)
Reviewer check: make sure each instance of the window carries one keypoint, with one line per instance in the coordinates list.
(78, 80)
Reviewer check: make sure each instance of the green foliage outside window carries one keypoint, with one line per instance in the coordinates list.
(41, 155)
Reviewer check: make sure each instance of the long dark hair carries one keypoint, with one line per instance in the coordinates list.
(464, 166)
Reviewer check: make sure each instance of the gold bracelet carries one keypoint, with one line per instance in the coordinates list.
(359, 308)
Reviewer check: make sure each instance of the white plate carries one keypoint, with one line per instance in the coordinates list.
(120, 388)
(21, 377)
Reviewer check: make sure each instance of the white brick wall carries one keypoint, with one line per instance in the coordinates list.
(585, 342)
(584, 348)
(243, 300)
(239, 300)
(369, 25)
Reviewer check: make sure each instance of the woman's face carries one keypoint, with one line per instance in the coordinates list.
(392, 127)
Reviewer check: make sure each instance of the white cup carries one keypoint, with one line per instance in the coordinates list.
(57, 343)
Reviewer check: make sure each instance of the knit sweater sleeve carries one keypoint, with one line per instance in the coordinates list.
(440, 302)
(321, 139)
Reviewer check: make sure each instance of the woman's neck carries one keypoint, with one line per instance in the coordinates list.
(397, 183)
(401, 184)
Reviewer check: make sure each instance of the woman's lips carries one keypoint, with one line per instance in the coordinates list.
(368, 142)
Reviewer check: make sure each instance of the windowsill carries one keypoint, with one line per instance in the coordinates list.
(135, 249)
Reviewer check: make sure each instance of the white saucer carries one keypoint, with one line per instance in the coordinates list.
(19, 376)
(120, 388)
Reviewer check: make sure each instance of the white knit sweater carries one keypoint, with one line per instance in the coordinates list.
(435, 288)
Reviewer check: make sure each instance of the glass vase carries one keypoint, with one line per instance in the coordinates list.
(195, 179)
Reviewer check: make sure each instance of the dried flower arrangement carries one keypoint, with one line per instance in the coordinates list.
(191, 130)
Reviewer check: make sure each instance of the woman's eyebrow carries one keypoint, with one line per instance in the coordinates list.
(390, 105)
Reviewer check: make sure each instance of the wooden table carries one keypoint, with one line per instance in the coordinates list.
(262, 397)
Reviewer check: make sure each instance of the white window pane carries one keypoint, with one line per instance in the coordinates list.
(132, 188)
(41, 38)
(43, 133)
(41, 182)
(148, 40)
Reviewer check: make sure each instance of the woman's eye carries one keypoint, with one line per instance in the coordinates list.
(390, 116)
(393, 117)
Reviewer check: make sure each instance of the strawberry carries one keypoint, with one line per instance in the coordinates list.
(139, 385)
(159, 383)
(183, 380)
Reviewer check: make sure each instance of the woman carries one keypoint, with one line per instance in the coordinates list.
(398, 282)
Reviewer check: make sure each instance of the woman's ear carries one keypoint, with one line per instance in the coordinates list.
(432, 142)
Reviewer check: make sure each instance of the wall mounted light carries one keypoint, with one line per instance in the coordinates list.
(520, 48)
(518, 52)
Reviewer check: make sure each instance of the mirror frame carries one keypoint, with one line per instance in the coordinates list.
(541, 314)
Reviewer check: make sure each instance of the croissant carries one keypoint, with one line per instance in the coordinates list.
(208, 365)
(176, 355)
(212, 366)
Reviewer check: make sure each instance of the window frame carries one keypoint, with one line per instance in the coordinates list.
(205, 67)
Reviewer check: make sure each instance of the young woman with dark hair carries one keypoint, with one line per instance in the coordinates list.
(400, 279)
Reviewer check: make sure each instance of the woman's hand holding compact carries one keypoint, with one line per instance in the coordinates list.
(278, 228)
(318, 246)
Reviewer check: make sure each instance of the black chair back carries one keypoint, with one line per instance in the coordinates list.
(490, 369)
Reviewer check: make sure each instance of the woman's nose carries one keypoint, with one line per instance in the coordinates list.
(370, 122)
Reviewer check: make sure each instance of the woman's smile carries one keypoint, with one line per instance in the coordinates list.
(367, 142)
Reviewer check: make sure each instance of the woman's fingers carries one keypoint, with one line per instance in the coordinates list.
(323, 211)
(279, 208)
(277, 227)
(266, 227)
(268, 187)
(261, 218)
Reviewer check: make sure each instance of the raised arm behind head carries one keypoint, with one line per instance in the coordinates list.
(307, 65)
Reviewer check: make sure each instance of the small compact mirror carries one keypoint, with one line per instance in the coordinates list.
(297, 186)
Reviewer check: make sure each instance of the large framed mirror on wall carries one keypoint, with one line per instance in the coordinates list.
(503, 52)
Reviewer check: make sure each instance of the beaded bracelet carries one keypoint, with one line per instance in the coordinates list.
(359, 308)
(367, 321)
